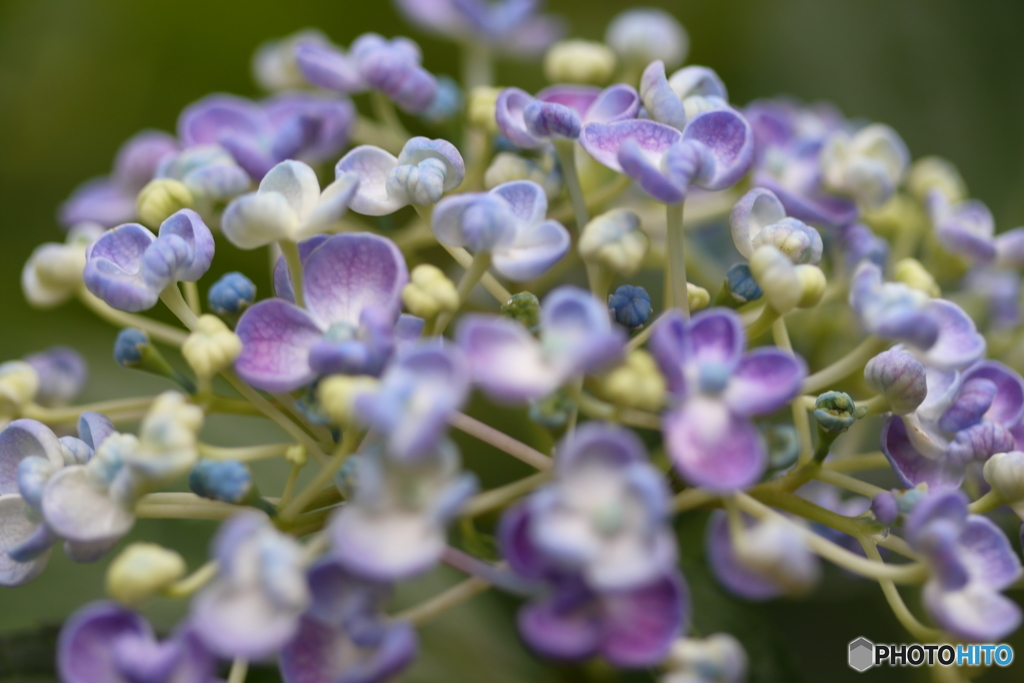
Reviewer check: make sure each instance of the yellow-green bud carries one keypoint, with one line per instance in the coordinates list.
(212, 347)
(141, 571)
(636, 383)
(429, 292)
(160, 198)
(19, 384)
(1005, 474)
(910, 272)
(296, 455)
(481, 103)
(698, 297)
(935, 173)
(168, 445)
(579, 61)
(778, 278)
(508, 166)
(901, 213)
(338, 395)
(812, 285)
(615, 241)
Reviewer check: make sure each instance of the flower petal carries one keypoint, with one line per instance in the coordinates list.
(206, 121)
(190, 228)
(527, 199)
(564, 625)
(276, 339)
(257, 219)
(615, 103)
(15, 529)
(79, 510)
(322, 653)
(602, 141)
(100, 200)
(387, 545)
(729, 139)
(86, 640)
(755, 211)
(235, 620)
(506, 361)
(913, 468)
(420, 149)
(662, 103)
(534, 251)
(328, 68)
(601, 442)
(989, 557)
(509, 115)
(112, 269)
(373, 165)
(641, 624)
(727, 568)
(959, 344)
(579, 98)
(765, 380)
(713, 448)
(576, 333)
(352, 273)
(974, 613)
(24, 439)
(1008, 405)
(297, 182)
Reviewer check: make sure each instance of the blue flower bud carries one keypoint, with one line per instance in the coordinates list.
(885, 507)
(128, 347)
(836, 412)
(231, 294)
(225, 480)
(742, 283)
(447, 102)
(631, 306)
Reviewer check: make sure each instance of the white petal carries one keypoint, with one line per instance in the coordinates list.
(79, 510)
(373, 165)
(15, 527)
(258, 219)
(297, 182)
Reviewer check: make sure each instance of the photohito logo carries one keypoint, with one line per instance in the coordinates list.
(863, 654)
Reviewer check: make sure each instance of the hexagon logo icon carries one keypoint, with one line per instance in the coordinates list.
(862, 654)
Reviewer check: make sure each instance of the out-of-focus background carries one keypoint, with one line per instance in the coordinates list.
(78, 77)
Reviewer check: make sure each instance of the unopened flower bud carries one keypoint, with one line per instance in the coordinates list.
(62, 375)
(885, 508)
(719, 658)
(636, 383)
(741, 283)
(167, 439)
(775, 549)
(19, 384)
(836, 412)
(935, 173)
(783, 445)
(274, 65)
(228, 481)
(481, 104)
(231, 295)
(812, 285)
(630, 306)
(778, 278)
(508, 166)
(141, 571)
(429, 292)
(697, 297)
(212, 347)
(615, 241)
(579, 61)
(899, 377)
(524, 307)
(910, 272)
(160, 198)
(338, 394)
(1005, 474)
(901, 213)
(640, 36)
(52, 274)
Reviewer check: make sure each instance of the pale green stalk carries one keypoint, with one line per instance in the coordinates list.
(922, 633)
(477, 269)
(192, 297)
(847, 482)
(442, 602)
(501, 441)
(294, 260)
(503, 495)
(676, 258)
(244, 453)
(349, 442)
(565, 150)
(172, 298)
(159, 331)
(852, 362)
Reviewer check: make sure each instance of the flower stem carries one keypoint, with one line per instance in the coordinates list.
(239, 670)
(852, 362)
(384, 110)
(594, 200)
(503, 495)
(193, 582)
(477, 65)
(157, 330)
(847, 482)
(71, 414)
(763, 323)
(780, 334)
(481, 262)
(565, 150)
(349, 442)
(988, 502)
(192, 297)
(501, 441)
(172, 298)
(922, 633)
(676, 258)
(442, 602)
(245, 453)
(865, 461)
(294, 260)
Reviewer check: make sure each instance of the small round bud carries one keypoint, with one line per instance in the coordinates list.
(630, 306)
(128, 347)
(579, 61)
(212, 347)
(296, 455)
(719, 658)
(508, 166)
(902, 213)
(274, 65)
(885, 508)
(640, 36)
(19, 384)
(524, 307)
(836, 412)
(228, 481)
(161, 198)
(812, 285)
(636, 383)
(783, 446)
(935, 173)
(615, 241)
(697, 297)
(53, 273)
(910, 272)
(141, 571)
(231, 294)
(338, 394)
(167, 444)
(899, 377)
(742, 284)
(429, 292)
(778, 278)
(1005, 474)
(481, 105)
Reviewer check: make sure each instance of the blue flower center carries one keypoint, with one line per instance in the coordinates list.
(712, 377)
(341, 332)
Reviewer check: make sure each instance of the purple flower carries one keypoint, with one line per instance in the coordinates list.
(511, 26)
(964, 228)
(759, 218)
(509, 222)
(391, 67)
(938, 331)
(211, 175)
(395, 524)
(423, 171)
(110, 200)
(259, 135)
(353, 284)
(253, 607)
(106, 642)
(866, 165)
(719, 388)
(605, 515)
(713, 151)
(971, 561)
(561, 111)
(128, 267)
(1000, 291)
(509, 364)
(674, 101)
(965, 417)
(62, 375)
(770, 560)
(343, 637)
(858, 243)
(420, 390)
(630, 627)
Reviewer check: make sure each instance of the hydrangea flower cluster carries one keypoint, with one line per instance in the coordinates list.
(429, 278)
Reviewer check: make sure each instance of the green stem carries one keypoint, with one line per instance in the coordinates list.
(763, 323)
(565, 150)
(244, 453)
(503, 495)
(676, 258)
(477, 65)
(291, 257)
(72, 413)
(192, 297)
(988, 502)
(172, 298)
(922, 633)
(780, 334)
(501, 441)
(876, 405)
(477, 269)
(865, 461)
(349, 442)
(384, 109)
(193, 582)
(594, 200)
(441, 603)
(367, 132)
(167, 334)
(239, 670)
(852, 362)
(847, 482)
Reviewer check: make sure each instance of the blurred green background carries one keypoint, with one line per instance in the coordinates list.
(78, 77)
